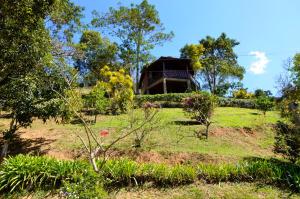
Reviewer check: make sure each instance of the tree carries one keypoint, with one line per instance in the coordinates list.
(200, 107)
(217, 63)
(139, 30)
(287, 137)
(261, 93)
(264, 104)
(97, 53)
(29, 33)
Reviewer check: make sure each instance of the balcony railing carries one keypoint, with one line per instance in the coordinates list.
(179, 74)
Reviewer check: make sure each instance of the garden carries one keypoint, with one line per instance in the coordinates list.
(83, 114)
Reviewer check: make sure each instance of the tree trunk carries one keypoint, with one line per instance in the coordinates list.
(4, 150)
(137, 77)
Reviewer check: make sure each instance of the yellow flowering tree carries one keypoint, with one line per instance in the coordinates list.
(119, 87)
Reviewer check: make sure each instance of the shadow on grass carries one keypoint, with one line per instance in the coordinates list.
(187, 123)
(79, 121)
(34, 146)
(253, 113)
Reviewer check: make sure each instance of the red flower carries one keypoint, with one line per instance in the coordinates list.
(104, 133)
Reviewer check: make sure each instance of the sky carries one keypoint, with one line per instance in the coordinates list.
(268, 30)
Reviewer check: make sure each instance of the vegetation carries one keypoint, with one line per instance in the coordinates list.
(264, 104)
(111, 139)
(200, 107)
(139, 29)
(215, 61)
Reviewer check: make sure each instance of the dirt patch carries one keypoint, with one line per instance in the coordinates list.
(224, 131)
(171, 158)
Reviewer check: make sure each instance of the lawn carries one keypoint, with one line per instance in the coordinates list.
(235, 133)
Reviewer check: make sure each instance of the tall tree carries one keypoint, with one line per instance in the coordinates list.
(139, 30)
(97, 53)
(35, 35)
(216, 61)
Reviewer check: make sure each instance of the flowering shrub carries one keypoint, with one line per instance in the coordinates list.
(119, 87)
(199, 106)
(243, 94)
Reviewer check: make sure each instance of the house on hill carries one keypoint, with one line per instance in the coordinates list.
(168, 75)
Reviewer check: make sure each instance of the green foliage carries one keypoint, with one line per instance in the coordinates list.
(85, 188)
(261, 93)
(124, 172)
(73, 103)
(118, 85)
(76, 179)
(264, 104)
(139, 30)
(199, 106)
(257, 170)
(242, 94)
(218, 61)
(287, 141)
(241, 103)
(97, 99)
(32, 172)
(98, 52)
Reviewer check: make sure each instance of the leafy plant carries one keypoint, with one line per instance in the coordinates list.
(31, 172)
(119, 87)
(264, 104)
(200, 108)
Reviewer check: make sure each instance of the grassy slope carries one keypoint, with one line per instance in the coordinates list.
(231, 142)
(226, 139)
(228, 144)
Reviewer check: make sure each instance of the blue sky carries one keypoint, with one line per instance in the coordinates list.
(268, 30)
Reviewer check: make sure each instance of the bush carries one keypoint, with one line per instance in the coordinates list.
(173, 100)
(170, 97)
(287, 141)
(242, 94)
(241, 103)
(119, 87)
(199, 106)
(264, 104)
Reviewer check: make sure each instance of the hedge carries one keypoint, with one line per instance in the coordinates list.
(173, 100)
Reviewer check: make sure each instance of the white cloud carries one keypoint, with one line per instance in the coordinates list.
(259, 66)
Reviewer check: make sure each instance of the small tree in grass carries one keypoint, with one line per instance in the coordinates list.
(98, 100)
(264, 104)
(200, 107)
(148, 110)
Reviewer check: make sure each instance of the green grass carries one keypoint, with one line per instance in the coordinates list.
(200, 190)
(175, 136)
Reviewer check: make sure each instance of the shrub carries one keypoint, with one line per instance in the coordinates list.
(119, 87)
(264, 104)
(173, 100)
(170, 97)
(242, 94)
(287, 141)
(241, 103)
(200, 108)
(73, 103)
(31, 172)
